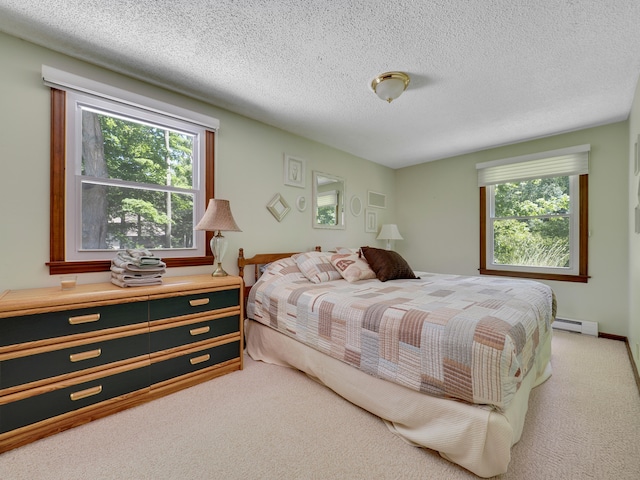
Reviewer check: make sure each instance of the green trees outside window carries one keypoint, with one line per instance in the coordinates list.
(531, 223)
(137, 184)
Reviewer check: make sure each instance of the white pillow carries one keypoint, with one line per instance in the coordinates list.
(316, 267)
(352, 267)
(347, 250)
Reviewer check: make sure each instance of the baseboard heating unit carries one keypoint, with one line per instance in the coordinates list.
(580, 326)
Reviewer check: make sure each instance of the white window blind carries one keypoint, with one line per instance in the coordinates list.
(326, 199)
(555, 163)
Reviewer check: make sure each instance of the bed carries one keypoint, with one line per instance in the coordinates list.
(447, 361)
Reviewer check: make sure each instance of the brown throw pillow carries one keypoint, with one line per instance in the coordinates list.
(387, 264)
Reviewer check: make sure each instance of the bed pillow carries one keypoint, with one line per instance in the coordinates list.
(316, 267)
(387, 264)
(347, 250)
(352, 267)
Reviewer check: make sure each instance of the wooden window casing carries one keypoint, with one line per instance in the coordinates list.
(583, 261)
(57, 263)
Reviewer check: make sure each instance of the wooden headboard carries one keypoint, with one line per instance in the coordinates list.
(257, 261)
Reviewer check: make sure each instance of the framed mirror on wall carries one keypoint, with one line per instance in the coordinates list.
(328, 201)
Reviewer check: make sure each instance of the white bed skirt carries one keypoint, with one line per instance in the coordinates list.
(476, 437)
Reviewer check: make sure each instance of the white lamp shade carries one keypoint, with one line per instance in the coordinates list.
(389, 232)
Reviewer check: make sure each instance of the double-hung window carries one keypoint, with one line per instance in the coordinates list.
(135, 175)
(533, 215)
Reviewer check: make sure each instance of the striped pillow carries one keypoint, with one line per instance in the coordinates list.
(316, 266)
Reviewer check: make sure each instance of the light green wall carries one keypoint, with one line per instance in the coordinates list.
(634, 238)
(435, 204)
(438, 215)
(249, 173)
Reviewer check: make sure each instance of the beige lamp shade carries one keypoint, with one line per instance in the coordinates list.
(218, 217)
(389, 232)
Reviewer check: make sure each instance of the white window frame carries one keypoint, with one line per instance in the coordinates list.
(75, 104)
(574, 237)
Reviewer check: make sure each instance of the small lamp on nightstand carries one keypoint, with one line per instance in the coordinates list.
(389, 232)
(218, 218)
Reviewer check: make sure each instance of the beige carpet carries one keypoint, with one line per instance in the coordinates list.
(269, 422)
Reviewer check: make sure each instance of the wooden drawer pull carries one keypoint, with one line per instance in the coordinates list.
(94, 317)
(198, 302)
(86, 393)
(200, 359)
(199, 331)
(78, 357)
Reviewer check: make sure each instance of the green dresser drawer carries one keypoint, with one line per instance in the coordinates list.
(18, 371)
(51, 404)
(193, 361)
(29, 328)
(189, 304)
(195, 332)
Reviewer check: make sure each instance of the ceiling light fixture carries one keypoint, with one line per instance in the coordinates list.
(389, 86)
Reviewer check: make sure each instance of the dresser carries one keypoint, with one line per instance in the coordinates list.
(69, 357)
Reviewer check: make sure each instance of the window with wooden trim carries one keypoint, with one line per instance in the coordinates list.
(126, 176)
(534, 215)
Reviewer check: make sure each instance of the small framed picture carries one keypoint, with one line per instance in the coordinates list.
(278, 207)
(375, 199)
(295, 171)
(370, 221)
(301, 203)
(356, 206)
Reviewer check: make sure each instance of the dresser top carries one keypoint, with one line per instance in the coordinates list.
(51, 297)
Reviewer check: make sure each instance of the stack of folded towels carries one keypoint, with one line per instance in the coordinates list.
(136, 267)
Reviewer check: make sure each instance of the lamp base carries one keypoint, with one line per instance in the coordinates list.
(218, 248)
(219, 271)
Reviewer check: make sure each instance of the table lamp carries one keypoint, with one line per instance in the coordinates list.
(218, 218)
(389, 232)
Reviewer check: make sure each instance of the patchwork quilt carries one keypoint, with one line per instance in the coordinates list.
(467, 338)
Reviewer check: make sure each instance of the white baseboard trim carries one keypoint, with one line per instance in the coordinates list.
(581, 326)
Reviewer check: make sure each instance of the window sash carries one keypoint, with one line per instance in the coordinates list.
(189, 243)
(76, 103)
(574, 237)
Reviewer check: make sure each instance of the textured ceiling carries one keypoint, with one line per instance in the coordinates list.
(483, 72)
